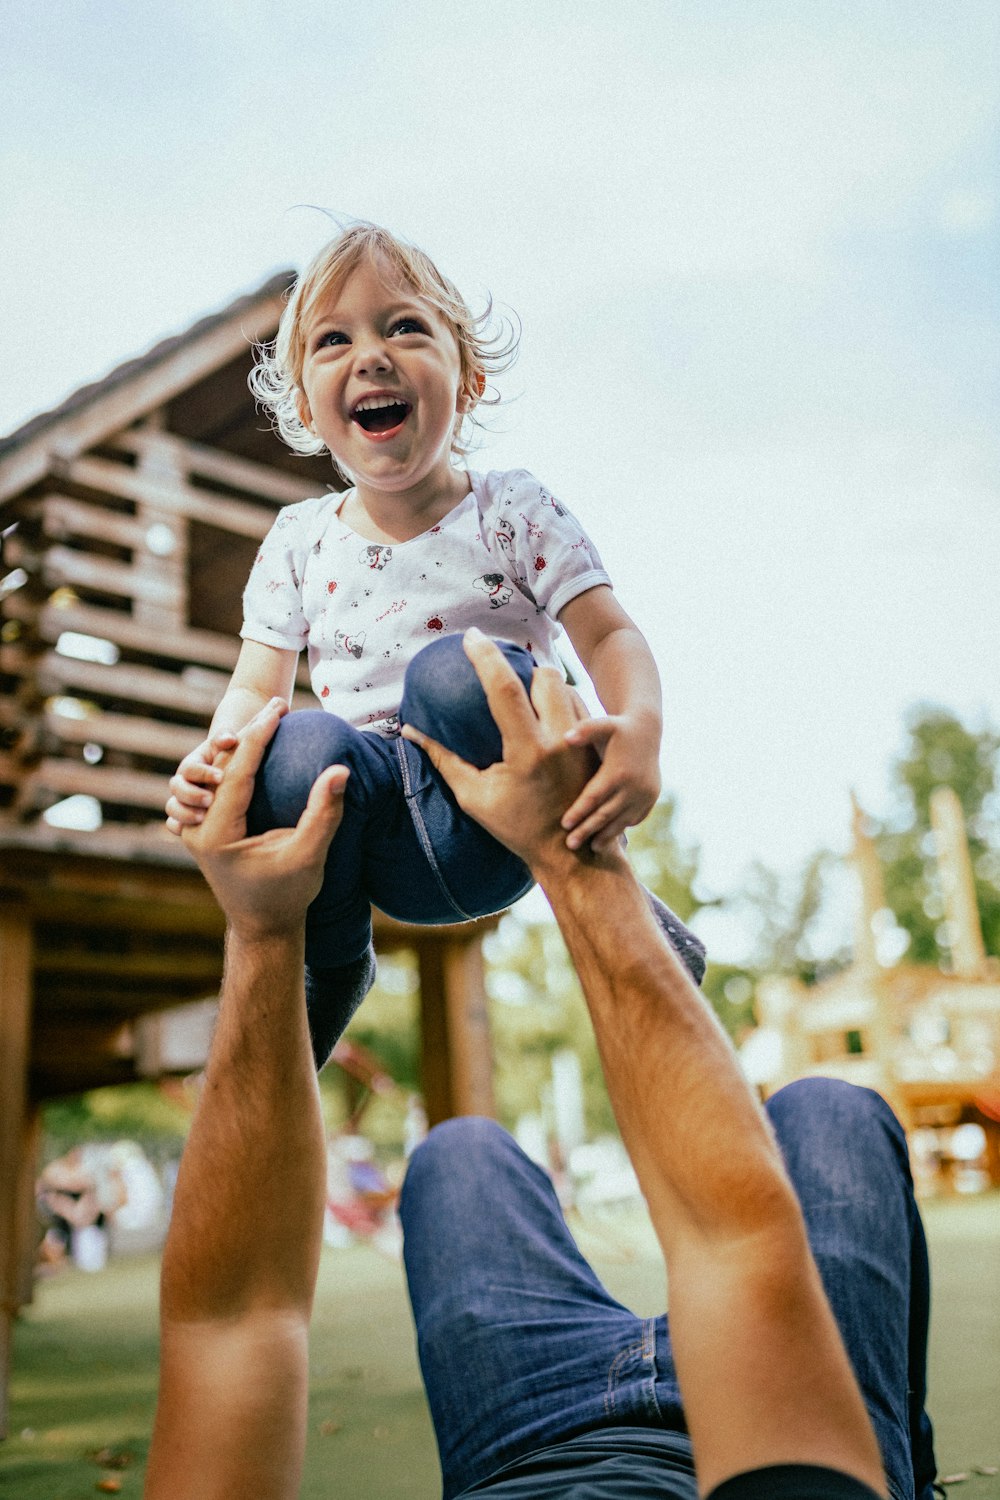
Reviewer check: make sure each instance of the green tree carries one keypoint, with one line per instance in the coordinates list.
(941, 750)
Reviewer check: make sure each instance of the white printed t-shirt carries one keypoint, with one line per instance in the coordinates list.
(507, 559)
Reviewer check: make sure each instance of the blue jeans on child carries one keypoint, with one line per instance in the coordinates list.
(521, 1348)
(404, 844)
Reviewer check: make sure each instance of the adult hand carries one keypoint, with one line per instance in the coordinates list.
(521, 798)
(265, 883)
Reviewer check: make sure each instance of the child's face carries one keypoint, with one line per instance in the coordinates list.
(381, 379)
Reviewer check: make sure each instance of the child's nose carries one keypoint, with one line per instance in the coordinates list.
(371, 356)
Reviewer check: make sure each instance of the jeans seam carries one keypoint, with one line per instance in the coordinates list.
(416, 817)
(620, 1359)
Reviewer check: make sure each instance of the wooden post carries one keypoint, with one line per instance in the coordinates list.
(456, 1052)
(15, 1021)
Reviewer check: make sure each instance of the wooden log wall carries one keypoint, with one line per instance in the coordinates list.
(104, 545)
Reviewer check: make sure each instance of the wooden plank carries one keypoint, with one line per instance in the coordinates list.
(63, 518)
(161, 967)
(239, 516)
(106, 783)
(64, 565)
(124, 732)
(204, 646)
(114, 405)
(212, 463)
(123, 683)
(109, 854)
(15, 1021)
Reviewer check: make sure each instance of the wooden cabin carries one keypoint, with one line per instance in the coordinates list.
(927, 1040)
(130, 517)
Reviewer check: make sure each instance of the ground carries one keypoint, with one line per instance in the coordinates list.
(85, 1367)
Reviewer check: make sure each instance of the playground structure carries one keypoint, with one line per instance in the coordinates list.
(129, 518)
(927, 1040)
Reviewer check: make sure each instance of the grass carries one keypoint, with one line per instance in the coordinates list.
(85, 1367)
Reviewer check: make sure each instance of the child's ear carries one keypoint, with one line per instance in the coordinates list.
(467, 400)
(303, 409)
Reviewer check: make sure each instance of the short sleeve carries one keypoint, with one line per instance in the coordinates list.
(272, 599)
(544, 547)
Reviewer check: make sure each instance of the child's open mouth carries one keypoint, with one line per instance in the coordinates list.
(380, 416)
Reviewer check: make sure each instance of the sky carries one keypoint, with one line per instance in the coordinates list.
(754, 252)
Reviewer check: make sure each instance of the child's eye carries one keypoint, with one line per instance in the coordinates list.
(408, 325)
(330, 339)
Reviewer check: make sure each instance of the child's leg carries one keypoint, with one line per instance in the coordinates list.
(340, 960)
(443, 697)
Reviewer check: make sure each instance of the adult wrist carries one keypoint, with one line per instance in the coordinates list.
(258, 935)
(555, 867)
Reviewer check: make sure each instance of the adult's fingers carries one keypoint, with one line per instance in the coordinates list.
(553, 702)
(323, 812)
(509, 704)
(236, 787)
(459, 775)
(594, 732)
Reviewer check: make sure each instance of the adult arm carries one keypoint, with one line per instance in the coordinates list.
(762, 1368)
(240, 1262)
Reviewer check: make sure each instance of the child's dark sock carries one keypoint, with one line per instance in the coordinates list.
(332, 997)
(689, 949)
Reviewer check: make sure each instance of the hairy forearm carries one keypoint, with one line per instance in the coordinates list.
(673, 1080)
(248, 1209)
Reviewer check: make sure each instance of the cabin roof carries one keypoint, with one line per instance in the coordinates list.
(121, 375)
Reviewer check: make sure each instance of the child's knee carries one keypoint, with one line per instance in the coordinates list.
(304, 744)
(443, 697)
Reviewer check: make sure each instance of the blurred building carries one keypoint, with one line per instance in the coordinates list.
(927, 1040)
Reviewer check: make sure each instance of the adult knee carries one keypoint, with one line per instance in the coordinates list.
(443, 697)
(838, 1130)
(455, 1151)
(841, 1106)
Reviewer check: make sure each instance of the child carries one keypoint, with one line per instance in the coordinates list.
(379, 361)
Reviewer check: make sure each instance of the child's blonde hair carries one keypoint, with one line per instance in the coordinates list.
(276, 379)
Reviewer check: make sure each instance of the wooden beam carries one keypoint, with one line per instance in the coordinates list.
(15, 1022)
(105, 853)
(63, 518)
(202, 646)
(124, 732)
(197, 696)
(212, 463)
(456, 1050)
(63, 566)
(159, 966)
(107, 783)
(26, 1227)
(241, 517)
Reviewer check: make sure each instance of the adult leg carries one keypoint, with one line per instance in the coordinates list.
(846, 1154)
(520, 1345)
(443, 697)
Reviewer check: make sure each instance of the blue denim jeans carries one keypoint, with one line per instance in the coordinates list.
(521, 1347)
(404, 844)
